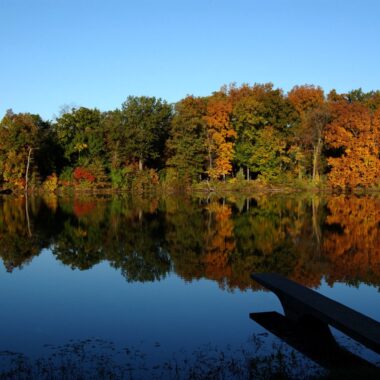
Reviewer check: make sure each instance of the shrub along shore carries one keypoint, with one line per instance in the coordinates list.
(247, 138)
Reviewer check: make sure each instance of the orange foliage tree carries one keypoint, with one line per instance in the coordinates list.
(219, 243)
(354, 134)
(220, 136)
(305, 98)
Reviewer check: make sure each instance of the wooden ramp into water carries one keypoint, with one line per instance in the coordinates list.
(307, 307)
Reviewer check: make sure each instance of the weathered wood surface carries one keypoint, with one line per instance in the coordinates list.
(301, 303)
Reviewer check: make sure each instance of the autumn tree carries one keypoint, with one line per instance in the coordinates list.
(370, 99)
(220, 136)
(20, 136)
(376, 140)
(305, 98)
(353, 136)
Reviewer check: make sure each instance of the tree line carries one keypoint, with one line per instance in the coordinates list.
(257, 133)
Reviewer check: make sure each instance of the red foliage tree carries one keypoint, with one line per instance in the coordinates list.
(82, 174)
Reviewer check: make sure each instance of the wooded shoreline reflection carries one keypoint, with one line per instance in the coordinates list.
(303, 237)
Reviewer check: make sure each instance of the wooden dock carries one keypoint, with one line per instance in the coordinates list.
(307, 307)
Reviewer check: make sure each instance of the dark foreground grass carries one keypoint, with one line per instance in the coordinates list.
(98, 359)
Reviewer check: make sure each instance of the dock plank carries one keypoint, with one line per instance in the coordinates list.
(299, 302)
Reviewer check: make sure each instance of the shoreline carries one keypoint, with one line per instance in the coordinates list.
(245, 188)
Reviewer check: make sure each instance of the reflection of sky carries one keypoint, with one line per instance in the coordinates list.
(47, 302)
(364, 298)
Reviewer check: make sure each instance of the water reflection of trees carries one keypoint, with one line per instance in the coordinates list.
(21, 238)
(129, 237)
(225, 240)
(352, 241)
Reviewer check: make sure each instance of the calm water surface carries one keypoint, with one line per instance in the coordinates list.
(166, 275)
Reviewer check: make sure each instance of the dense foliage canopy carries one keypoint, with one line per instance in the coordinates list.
(254, 132)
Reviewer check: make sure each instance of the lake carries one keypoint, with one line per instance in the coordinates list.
(157, 280)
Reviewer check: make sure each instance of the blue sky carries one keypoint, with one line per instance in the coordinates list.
(95, 53)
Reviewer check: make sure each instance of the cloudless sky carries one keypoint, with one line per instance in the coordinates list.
(95, 53)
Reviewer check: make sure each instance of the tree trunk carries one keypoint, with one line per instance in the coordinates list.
(248, 176)
(27, 170)
(140, 164)
(316, 154)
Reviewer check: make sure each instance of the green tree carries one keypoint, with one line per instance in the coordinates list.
(309, 101)
(256, 108)
(115, 139)
(146, 121)
(80, 133)
(269, 159)
(186, 143)
(247, 120)
(312, 136)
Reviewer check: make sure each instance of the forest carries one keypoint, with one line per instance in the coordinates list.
(240, 135)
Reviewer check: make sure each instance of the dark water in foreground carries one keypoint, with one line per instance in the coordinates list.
(161, 277)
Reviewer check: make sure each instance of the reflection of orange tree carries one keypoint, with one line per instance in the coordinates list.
(352, 239)
(219, 243)
(201, 239)
(272, 234)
